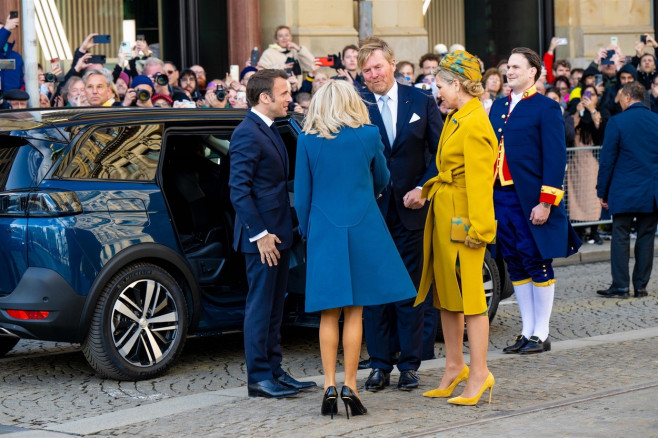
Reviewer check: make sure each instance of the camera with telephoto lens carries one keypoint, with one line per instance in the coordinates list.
(161, 79)
(49, 77)
(220, 93)
(143, 95)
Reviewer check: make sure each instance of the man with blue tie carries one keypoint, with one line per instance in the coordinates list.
(263, 230)
(410, 126)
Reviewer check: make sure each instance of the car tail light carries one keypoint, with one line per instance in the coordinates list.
(28, 314)
(39, 204)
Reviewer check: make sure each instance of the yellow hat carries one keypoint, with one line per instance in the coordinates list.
(463, 64)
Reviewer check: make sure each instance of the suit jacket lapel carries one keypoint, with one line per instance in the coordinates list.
(376, 116)
(404, 106)
(278, 146)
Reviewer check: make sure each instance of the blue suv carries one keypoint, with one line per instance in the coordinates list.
(116, 233)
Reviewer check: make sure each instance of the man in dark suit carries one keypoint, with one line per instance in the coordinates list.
(627, 186)
(263, 230)
(410, 126)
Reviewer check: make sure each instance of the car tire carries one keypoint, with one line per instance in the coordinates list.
(7, 343)
(492, 291)
(139, 325)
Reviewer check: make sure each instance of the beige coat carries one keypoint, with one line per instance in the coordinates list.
(274, 57)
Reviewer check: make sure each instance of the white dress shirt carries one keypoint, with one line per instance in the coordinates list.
(269, 122)
(392, 105)
(516, 98)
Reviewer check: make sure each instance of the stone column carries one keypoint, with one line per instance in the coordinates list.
(589, 25)
(243, 29)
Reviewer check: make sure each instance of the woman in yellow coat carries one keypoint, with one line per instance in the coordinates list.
(461, 194)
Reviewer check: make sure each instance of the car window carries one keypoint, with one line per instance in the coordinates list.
(21, 165)
(118, 153)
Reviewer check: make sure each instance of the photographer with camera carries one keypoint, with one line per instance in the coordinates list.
(347, 67)
(141, 92)
(284, 54)
(216, 96)
(155, 69)
(10, 78)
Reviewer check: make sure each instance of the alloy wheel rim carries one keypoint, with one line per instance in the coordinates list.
(145, 323)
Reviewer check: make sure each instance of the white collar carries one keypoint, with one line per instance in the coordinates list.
(263, 117)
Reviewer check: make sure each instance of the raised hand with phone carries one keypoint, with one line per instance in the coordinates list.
(12, 21)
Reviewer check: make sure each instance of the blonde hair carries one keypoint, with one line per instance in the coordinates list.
(371, 44)
(334, 105)
(472, 88)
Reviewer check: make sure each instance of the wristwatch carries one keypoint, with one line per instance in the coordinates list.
(546, 204)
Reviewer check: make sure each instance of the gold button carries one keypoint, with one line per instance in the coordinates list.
(506, 103)
(503, 116)
(500, 129)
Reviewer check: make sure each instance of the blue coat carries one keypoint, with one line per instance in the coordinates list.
(628, 165)
(411, 157)
(258, 182)
(536, 153)
(351, 257)
(11, 79)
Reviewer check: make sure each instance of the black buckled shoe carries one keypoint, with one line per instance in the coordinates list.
(288, 381)
(408, 380)
(614, 292)
(641, 293)
(378, 380)
(519, 342)
(535, 345)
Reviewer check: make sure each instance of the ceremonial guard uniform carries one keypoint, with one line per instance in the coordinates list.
(529, 170)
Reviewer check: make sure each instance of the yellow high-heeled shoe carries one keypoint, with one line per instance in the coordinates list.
(461, 377)
(488, 383)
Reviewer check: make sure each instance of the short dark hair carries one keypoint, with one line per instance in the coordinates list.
(401, 64)
(532, 58)
(303, 97)
(262, 82)
(563, 63)
(349, 47)
(428, 57)
(576, 70)
(634, 89)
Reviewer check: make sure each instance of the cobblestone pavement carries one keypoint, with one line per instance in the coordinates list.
(47, 384)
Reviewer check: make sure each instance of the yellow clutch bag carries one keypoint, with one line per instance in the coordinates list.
(459, 227)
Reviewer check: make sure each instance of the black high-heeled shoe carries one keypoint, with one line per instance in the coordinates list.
(330, 402)
(352, 402)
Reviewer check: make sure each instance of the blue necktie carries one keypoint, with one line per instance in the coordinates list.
(388, 119)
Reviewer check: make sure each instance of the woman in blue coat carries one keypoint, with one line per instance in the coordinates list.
(351, 258)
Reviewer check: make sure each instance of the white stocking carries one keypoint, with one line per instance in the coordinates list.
(543, 301)
(524, 297)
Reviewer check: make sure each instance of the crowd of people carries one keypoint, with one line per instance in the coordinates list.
(489, 157)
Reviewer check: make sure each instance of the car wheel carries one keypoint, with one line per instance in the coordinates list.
(492, 291)
(139, 325)
(7, 343)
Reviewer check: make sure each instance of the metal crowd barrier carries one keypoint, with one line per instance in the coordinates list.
(582, 204)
